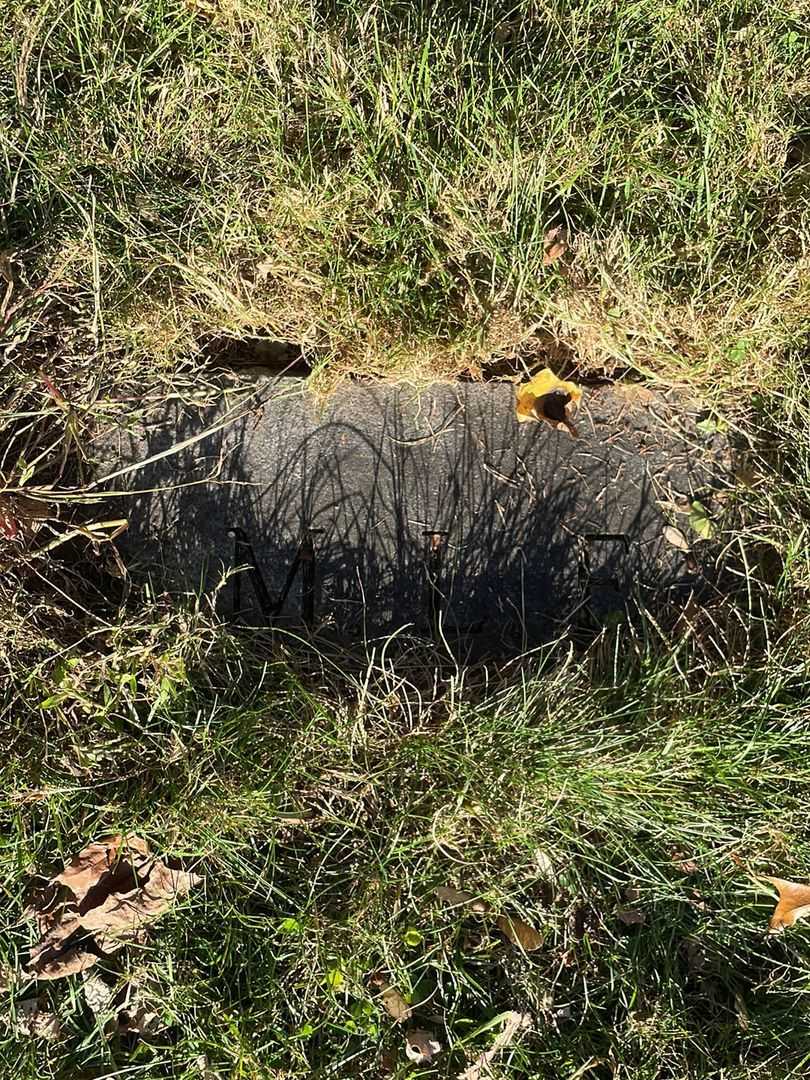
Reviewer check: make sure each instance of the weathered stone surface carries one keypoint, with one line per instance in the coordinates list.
(540, 528)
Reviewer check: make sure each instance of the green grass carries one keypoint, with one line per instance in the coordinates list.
(374, 182)
(629, 777)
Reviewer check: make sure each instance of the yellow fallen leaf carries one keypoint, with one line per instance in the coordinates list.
(519, 933)
(794, 903)
(549, 399)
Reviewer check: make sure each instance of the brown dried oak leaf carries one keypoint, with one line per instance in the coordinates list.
(555, 245)
(794, 903)
(100, 901)
(93, 863)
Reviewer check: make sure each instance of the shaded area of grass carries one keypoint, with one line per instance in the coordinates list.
(324, 811)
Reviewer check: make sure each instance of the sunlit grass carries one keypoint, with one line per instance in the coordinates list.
(375, 182)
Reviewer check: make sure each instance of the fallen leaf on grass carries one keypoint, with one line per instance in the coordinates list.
(36, 1020)
(676, 538)
(682, 862)
(135, 1023)
(700, 522)
(391, 999)
(518, 931)
(794, 903)
(21, 515)
(549, 399)
(631, 917)
(121, 1010)
(93, 863)
(395, 1004)
(553, 252)
(421, 1045)
(449, 895)
(114, 887)
(205, 1070)
(555, 244)
(514, 1024)
(544, 863)
(47, 961)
